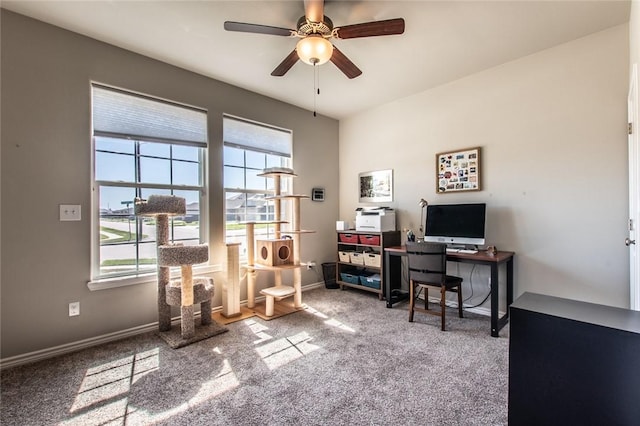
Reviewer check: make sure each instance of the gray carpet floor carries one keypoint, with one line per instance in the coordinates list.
(344, 360)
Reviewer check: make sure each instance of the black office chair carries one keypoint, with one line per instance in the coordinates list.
(428, 268)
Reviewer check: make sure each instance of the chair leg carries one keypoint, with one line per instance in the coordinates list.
(426, 298)
(443, 292)
(411, 300)
(460, 301)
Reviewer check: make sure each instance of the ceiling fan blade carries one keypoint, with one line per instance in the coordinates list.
(244, 27)
(286, 64)
(314, 10)
(344, 64)
(371, 29)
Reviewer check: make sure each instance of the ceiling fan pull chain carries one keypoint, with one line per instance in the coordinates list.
(316, 89)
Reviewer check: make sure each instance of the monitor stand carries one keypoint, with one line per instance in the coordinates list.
(462, 248)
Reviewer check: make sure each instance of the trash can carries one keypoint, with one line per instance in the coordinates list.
(329, 273)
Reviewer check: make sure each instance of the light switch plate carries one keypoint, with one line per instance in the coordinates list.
(74, 309)
(69, 212)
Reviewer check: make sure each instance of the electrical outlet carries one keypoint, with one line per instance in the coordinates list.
(74, 309)
(69, 212)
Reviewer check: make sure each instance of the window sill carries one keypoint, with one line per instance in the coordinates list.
(109, 283)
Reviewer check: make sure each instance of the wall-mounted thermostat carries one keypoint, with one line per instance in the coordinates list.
(317, 194)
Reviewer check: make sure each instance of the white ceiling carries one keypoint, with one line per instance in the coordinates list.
(443, 40)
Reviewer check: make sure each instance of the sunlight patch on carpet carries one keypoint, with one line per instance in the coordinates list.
(103, 396)
(114, 411)
(316, 312)
(283, 351)
(225, 381)
(329, 321)
(335, 323)
(259, 330)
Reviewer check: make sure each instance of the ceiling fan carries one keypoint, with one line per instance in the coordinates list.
(314, 30)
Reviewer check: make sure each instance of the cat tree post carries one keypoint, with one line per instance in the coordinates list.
(231, 287)
(183, 292)
(164, 309)
(161, 207)
(251, 272)
(277, 213)
(297, 273)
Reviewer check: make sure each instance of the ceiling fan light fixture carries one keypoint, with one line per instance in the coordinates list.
(314, 49)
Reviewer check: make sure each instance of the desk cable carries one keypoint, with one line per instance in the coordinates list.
(473, 268)
(405, 275)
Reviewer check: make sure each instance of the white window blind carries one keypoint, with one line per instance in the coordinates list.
(258, 137)
(119, 114)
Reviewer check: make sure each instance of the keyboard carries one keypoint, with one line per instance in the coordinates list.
(465, 251)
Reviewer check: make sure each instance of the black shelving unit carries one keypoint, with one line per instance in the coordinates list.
(370, 245)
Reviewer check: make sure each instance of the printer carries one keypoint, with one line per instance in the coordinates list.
(375, 219)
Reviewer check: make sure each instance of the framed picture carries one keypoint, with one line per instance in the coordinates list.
(376, 186)
(458, 171)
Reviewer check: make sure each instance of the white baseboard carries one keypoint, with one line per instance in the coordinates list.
(105, 338)
(74, 346)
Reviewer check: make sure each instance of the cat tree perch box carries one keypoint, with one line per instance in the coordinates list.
(274, 252)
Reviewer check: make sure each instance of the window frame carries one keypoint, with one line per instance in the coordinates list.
(285, 183)
(99, 280)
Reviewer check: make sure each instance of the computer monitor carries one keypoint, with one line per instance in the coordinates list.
(455, 224)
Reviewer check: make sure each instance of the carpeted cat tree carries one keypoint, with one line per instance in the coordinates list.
(186, 291)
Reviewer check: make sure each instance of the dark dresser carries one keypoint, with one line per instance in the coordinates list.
(573, 363)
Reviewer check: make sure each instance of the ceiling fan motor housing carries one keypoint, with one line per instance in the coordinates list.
(306, 27)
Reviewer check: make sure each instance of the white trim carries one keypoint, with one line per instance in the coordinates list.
(634, 184)
(151, 277)
(74, 346)
(104, 338)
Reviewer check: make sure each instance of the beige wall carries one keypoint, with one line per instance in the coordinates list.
(46, 157)
(634, 32)
(554, 156)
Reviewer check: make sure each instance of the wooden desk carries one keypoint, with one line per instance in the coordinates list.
(392, 258)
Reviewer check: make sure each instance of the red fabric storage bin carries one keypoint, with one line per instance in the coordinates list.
(349, 238)
(372, 240)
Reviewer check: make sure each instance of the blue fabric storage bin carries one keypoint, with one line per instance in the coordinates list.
(350, 278)
(372, 281)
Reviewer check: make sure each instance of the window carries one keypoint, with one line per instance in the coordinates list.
(143, 146)
(249, 148)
